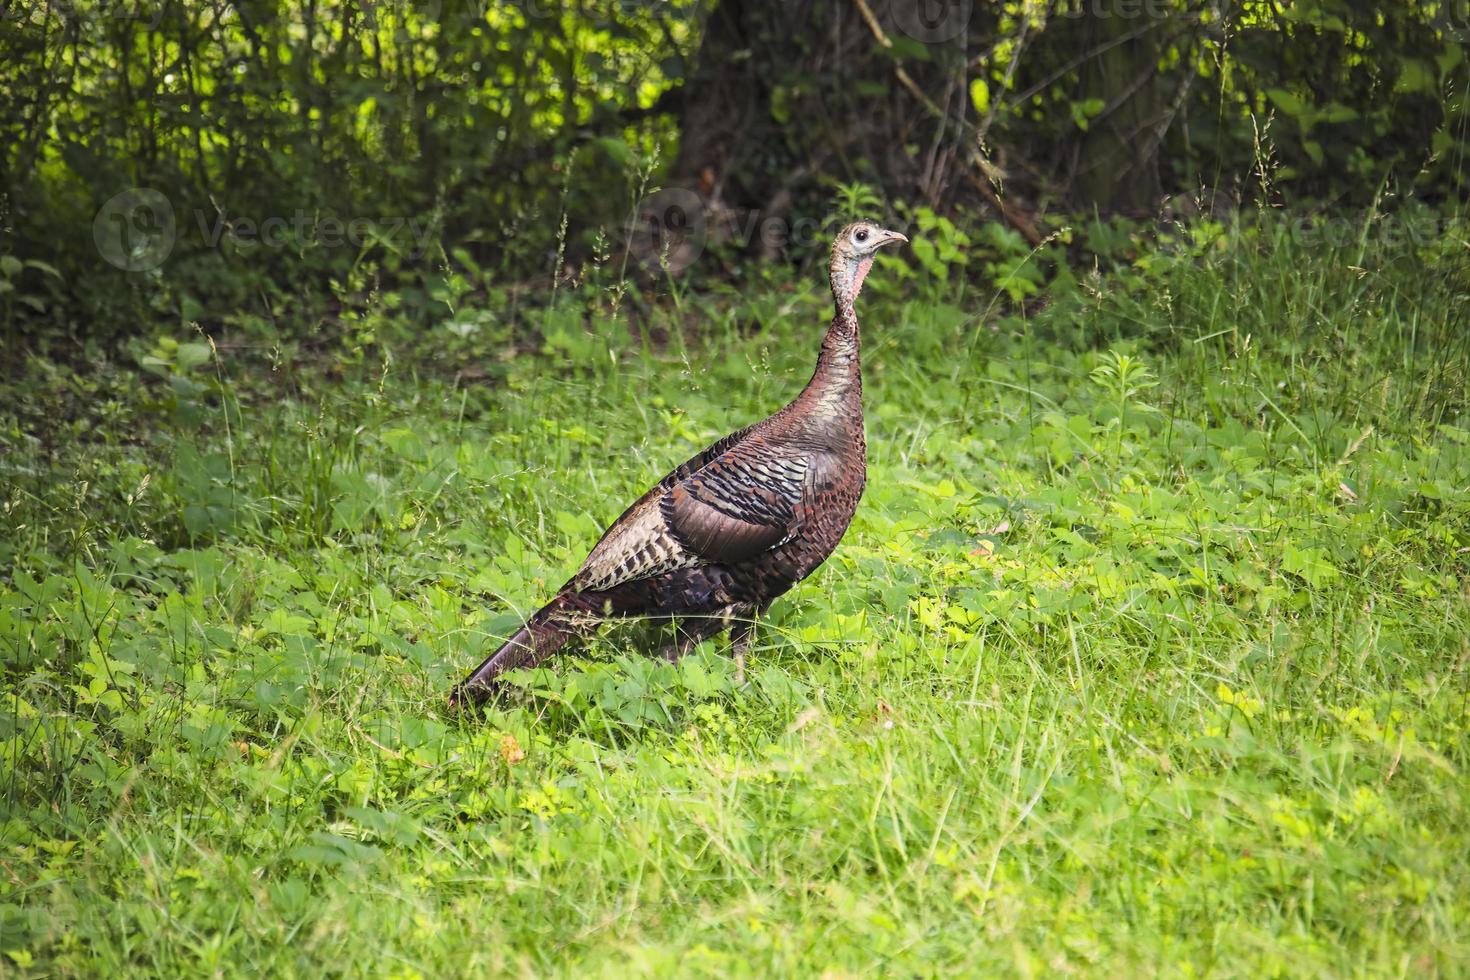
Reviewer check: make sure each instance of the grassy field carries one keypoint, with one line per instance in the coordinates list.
(1146, 652)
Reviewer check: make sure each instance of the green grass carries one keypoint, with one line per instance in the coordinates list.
(1147, 650)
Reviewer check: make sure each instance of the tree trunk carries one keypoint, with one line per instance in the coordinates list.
(1117, 168)
(737, 148)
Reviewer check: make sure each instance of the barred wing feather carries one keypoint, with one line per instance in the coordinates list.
(730, 503)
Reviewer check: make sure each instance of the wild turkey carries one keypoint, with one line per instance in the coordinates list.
(737, 525)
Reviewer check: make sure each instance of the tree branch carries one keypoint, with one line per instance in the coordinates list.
(1013, 217)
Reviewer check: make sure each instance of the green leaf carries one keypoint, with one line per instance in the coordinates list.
(616, 149)
(780, 109)
(192, 355)
(980, 95)
(1449, 59)
(1336, 112)
(1082, 112)
(1414, 76)
(1309, 563)
(1285, 101)
(908, 49)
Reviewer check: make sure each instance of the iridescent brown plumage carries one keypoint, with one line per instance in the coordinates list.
(735, 526)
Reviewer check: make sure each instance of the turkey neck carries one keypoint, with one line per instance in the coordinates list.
(839, 365)
(833, 399)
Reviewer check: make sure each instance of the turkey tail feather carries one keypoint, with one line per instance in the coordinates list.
(542, 636)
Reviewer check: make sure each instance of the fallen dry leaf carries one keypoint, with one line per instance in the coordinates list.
(802, 720)
(510, 749)
(987, 548)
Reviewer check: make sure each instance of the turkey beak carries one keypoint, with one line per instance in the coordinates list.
(886, 237)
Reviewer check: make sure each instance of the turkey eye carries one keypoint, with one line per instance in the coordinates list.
(861, 236)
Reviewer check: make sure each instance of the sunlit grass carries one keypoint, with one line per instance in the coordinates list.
(1146, 652)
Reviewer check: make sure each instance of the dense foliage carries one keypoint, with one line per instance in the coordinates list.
(302, 157)
(1146, 652)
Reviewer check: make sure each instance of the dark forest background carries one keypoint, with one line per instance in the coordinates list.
(289, 159)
